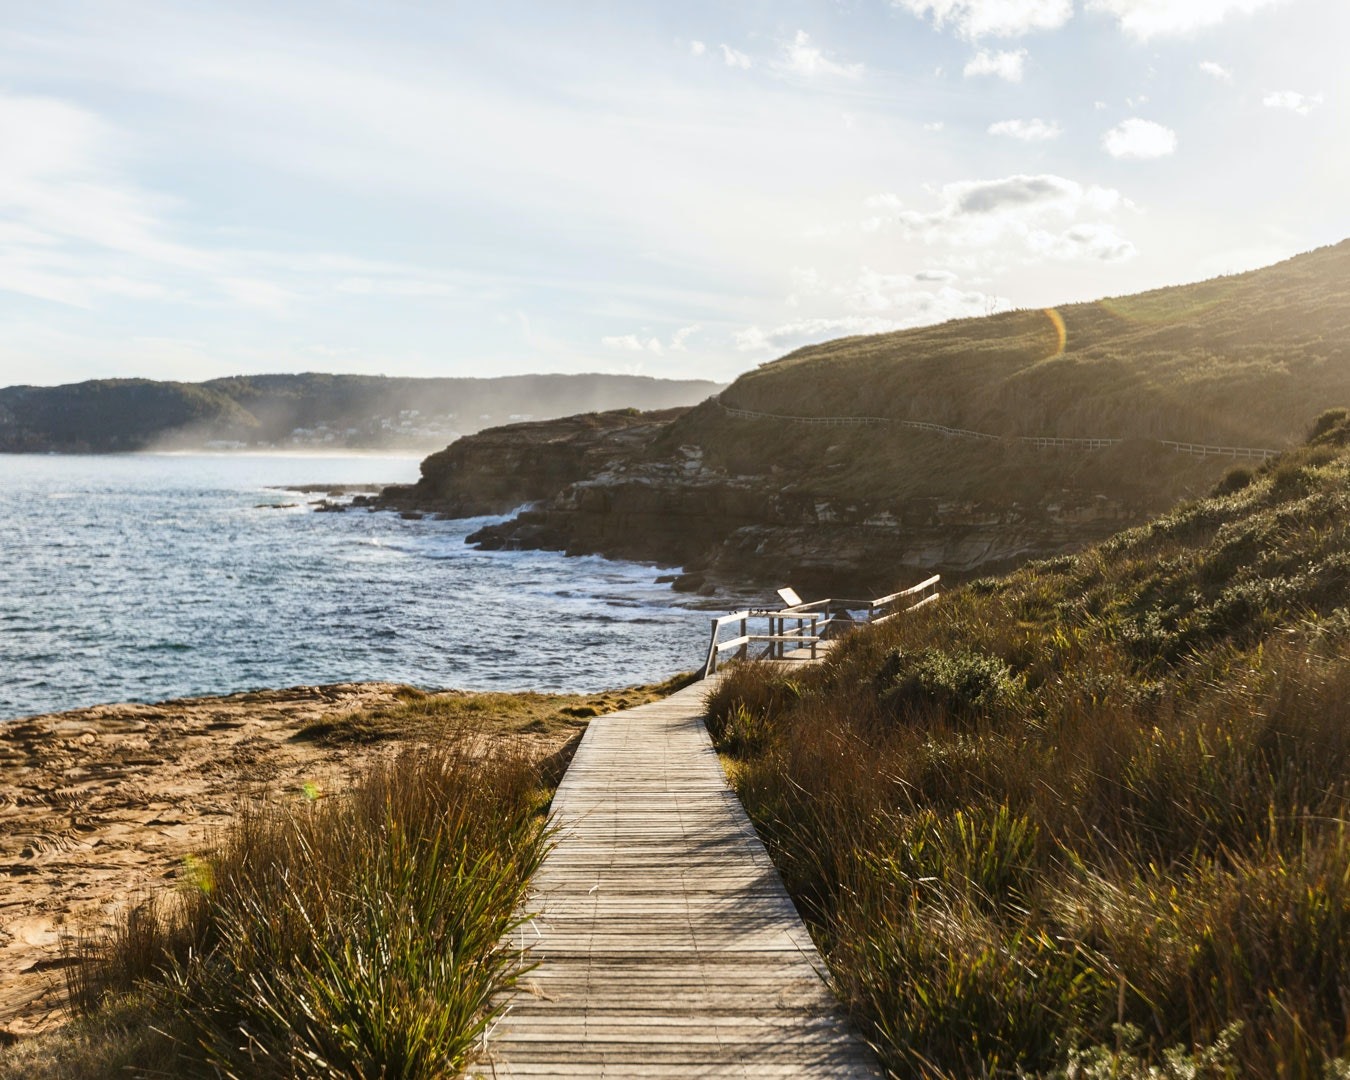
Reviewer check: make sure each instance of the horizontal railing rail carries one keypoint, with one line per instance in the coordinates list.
(812, 621)
(1041, 442)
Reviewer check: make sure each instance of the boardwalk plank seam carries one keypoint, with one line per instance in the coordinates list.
(665, 943)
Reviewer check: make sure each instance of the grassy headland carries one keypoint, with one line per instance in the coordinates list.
(1245, 361)
(1068, 821)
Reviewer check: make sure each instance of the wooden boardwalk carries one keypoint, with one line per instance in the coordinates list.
(666, 943)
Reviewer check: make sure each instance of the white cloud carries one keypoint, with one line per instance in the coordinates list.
(682, 335)
(800, 57)
(1005, 65)
(1091, 241)
(1139, 140)
(1216, 70)
(1292, 100)
(679, 341)
(1034, 130)
(1144, 19)
(999, 18)
(632, 343)
(934, 125)
(1043, 216)
(735, 58)
(697, 48)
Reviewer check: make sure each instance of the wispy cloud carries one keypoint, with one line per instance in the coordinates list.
(996, 18)
(735, 58)
(679, 339)
(1034, 130)
(874, 303)
(633, 343)
(1216, 70)
(803, 58)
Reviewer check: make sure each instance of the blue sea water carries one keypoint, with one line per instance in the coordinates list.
(145, 577)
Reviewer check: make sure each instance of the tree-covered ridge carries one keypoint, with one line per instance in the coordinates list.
(357, 411)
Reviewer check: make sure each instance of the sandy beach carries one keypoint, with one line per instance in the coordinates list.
(100, 805)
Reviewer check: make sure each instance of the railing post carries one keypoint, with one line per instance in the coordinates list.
(710, 665)
(814, 638)
(744, 650)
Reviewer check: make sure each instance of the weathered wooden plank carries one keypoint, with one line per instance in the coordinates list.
(665, 942)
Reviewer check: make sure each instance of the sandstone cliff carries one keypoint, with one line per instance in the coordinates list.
(625, 486)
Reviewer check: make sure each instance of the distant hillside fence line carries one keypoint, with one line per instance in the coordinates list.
(1041, 442)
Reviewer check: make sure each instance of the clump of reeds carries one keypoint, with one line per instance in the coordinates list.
(1092, 819)
(355, 935)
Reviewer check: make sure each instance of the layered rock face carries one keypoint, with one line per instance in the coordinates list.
(606, 484)
(738, 530)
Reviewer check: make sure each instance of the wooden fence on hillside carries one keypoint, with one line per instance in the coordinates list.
(815, 622)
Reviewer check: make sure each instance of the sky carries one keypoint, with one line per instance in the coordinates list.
(191, 190)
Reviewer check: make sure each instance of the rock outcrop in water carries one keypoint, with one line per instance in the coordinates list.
(502, 468)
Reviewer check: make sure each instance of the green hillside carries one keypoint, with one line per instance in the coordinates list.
(1244, 361)
(1089, 819)
(1231, 361)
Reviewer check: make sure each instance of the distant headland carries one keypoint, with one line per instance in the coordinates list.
(309, 411)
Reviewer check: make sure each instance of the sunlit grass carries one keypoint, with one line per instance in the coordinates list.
(1246, 360)
(359, 934)
(431, 715)
(1092, 819)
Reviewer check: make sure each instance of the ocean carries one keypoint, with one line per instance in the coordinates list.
(151, 576)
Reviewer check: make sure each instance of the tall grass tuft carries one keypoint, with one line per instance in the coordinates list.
(1092, 819)
(355, 935)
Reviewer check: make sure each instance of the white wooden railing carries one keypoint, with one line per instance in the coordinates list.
(810, 621)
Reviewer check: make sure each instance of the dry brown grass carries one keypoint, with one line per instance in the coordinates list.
(1082, 816)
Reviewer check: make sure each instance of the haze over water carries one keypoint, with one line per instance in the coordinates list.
(145, 577)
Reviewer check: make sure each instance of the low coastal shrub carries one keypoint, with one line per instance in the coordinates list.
(1091, 819)
(360, 934)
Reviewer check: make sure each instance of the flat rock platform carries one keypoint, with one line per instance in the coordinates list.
(665, 941)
